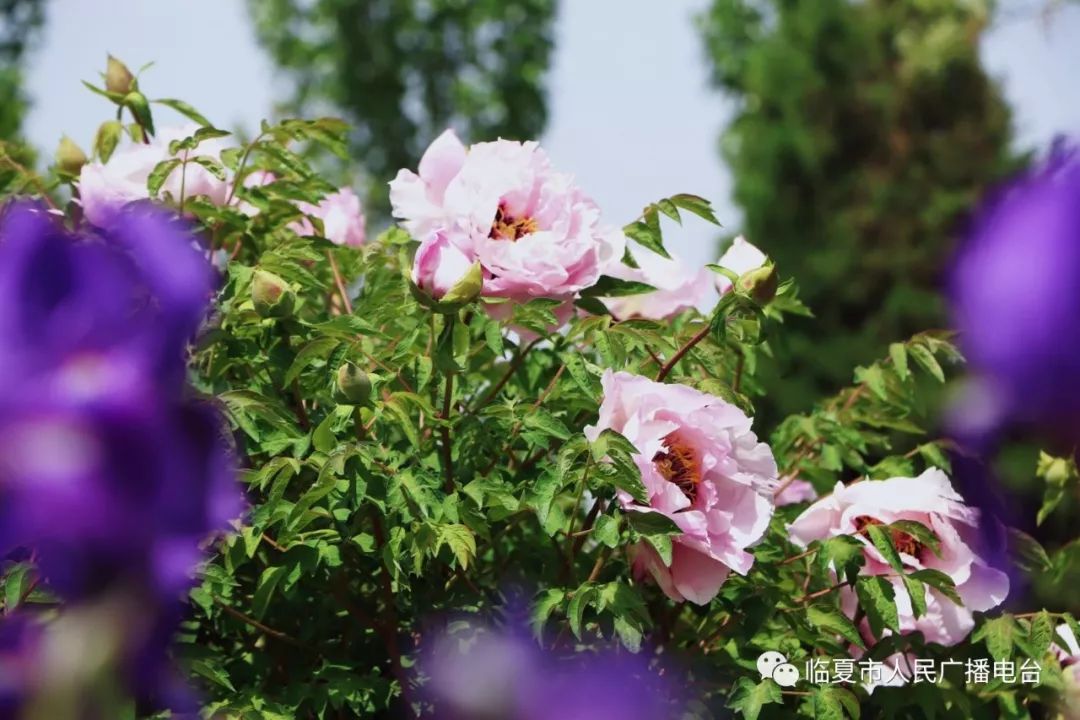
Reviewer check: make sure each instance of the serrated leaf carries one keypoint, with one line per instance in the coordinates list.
(926, 359)
(999, 634)
(461, 542)
(749, 697)
(921, 534)
(917, 593)
(1041, 634)
(940, 582)
(542, 420)
(697, 205)
(575, 610)
(882, 540)
(877, 598)
(544, 604)
(829, 619)
(160, 174)
(898, 354)
(606, 531)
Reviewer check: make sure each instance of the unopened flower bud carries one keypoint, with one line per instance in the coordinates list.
(118, 79)
(271, 295)
(69, 157)
(443, 277)
(759, 283)
(352, 385)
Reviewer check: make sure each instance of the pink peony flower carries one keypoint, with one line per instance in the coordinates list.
(342, 216)
(797, 491)
(106, 187)
(533, 231)
(704, 468)
(740, 258)
(1067, 651)
(928, 499)
(677, 288)
(439, 265)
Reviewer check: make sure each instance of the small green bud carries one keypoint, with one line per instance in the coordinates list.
(140, 108)
(759, 283)
(118, 79)
(272, 296)
(69, 157)
(352, 385)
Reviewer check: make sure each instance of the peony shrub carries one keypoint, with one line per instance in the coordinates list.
(498, 461)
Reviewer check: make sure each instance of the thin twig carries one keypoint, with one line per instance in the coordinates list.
(339, 282)
(266, 629)
(447, 450)
(666, 369)
(519, 358)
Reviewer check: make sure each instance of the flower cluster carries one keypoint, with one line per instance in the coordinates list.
(111, 473)
(107, 187)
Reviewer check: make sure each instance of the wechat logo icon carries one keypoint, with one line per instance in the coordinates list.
(774, 665)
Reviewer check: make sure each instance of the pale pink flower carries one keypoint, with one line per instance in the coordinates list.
(106, 187)
(342, 216)
(438, 265)
(703, 467)
(928, 499)
(740, 258)
(678, 288)
(533, 231)
(1067, 650)
(797, 491)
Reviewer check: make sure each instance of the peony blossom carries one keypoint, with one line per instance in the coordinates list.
(1067, 651)
(702, 467)
(678, 288)
(928, 499)
(533, 231)
(342, 216)
(740, 258)
(104, 188)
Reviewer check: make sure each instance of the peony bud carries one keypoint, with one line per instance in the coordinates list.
(69, 157)
(444, 277)
(118, 79)
(352, 386)
(272, 296)
(759, 283)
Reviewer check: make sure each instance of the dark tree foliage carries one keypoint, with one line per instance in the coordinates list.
(19, 22)
(401, 71)
(864, 131)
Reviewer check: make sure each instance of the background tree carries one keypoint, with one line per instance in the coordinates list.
(401, 71)
(864, 131)
(20, 21)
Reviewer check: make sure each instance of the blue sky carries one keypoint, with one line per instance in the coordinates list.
(624, 152)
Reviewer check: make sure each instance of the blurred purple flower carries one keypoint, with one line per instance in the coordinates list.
(495, 673)
(109, 468)
(1015, 293)
(106, 468)
(19, 639)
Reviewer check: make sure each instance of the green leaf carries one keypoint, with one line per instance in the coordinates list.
(107, 138)
(922, 534)
(160, 174)
(940, 582)
(318, 349)
(184, 109)
(898, 354)
(749, 697)
(697, 205)
(580, 374)
(882, 540)
(1029, 554)
(874, 379)
(542, 420)
(829, 619)
(16, 584)
(652, 523)
(606, 531)
(607, 286)
(268, 582)
(544, 604)
(575, 611)
(916, 590)
(608, 442)
(926, 359)
(213, 673)
(647, 236)
(999, 634)
(461, 541)
(831, 703)
(877, 598)
(662, 545)
(1041, 634)
(211, 165)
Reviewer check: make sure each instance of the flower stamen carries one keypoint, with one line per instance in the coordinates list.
(507, 227)
(902, 541)
(679, 465)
